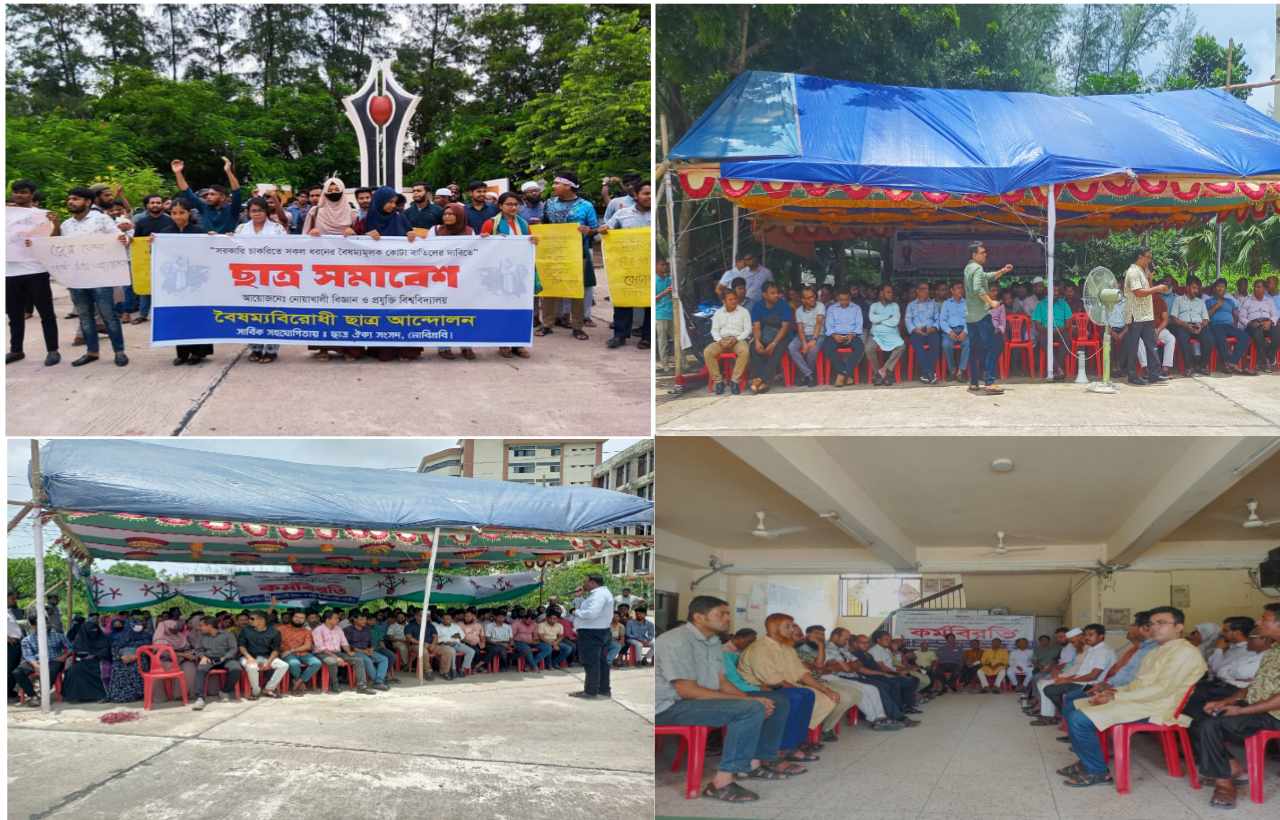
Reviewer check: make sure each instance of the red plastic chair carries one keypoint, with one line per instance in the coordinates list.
(825, 367)
(851, 718)
(211, 675)
(727, 361)
(693, 743)
(1018, 338)
(1082, 333)
(245, 688)
(941, 366)
(1122, 734)
(1255, 754)
(873, 364)
(323, 681)
(788, 370)
(520, 664)
(160, 672)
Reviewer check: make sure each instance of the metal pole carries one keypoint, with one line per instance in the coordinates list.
(1048, 267)
(426, 602)
(672, 253)
(542, 583)
(1219, 244)
(735, 234)
(37, 539)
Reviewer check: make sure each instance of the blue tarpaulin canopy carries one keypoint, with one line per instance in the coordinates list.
(798, 128)
(89, 475)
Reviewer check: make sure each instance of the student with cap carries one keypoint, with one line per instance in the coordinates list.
(531, 207)
(566, 207)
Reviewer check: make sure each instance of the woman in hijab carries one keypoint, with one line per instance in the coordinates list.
(383, 219)
(126, 680)
(82, 682)
(187, 222)
(509, 223)
(171, 631)
(1208, 633)
(332, 217)
(453, 222)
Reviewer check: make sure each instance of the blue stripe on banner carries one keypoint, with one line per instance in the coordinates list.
(317, 326)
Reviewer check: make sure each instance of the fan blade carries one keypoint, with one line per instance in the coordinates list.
(1024, 549)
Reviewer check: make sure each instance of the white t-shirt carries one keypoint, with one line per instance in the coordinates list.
(449, 634)
(1020, 659)
(882, 655)
(496, 633)
(94, 222)
(269, 228)
(1099, 656)
(808, 319)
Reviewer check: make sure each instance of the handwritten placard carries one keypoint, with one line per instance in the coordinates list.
(89, 261)
(20, 225)
(559, 260)
(628, 262)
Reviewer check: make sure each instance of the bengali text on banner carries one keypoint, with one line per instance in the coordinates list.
(628, 262)
(97, 260)
(335, 291)
(560, 260)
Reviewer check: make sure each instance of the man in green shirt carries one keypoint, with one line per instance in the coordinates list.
(978, 305)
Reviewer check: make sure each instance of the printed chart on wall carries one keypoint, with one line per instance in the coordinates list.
(805, 607)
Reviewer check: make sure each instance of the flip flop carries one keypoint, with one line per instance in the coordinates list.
(732, 793)
(1223, 798)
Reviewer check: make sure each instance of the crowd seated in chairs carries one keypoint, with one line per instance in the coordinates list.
(814, 337)
(132, 656)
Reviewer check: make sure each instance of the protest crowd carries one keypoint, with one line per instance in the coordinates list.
(776, 699)
(275, 652)
(978, 326)
(323, 209)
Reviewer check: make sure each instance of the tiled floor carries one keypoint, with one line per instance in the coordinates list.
(974, 756)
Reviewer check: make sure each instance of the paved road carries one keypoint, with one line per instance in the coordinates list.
(509, 746)
(567, 388)
(1212, 405)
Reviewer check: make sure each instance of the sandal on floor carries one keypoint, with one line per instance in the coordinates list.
(733, 793)
(468, 354)
(446, 353)
(522, 352)
(765, 773)
(1073, 769)
(803, 757)
(1224, 797)
(543, 330)
(268, 358)
(505, 352)
(580, 336)
(1083, 779)
(255, 356)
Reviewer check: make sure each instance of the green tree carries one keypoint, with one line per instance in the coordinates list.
(1206, 67)
(47, 42)
(128, 569)
(123, 30)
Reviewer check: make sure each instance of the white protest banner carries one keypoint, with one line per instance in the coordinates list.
(21, 224)
(260, 589)
(88, 261)
(332, 290)
(114, 593)
(460, 589)
(934, 625)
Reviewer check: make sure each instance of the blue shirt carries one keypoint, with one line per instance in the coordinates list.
(531, 213)
(922, 314)
(477, 218)
(843, 320)
(771, 318)
(1129, 671)
(639, 630)
(31, 646)
(219, 220)
(884, 324)
(296, 215)
(732, 674)
(951, 317)
(1224, 314)
(662, 309)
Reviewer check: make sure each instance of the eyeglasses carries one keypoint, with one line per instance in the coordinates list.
(1163, 623)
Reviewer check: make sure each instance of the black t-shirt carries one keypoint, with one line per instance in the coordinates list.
(425, 217)
(260, 644)
(147, 224)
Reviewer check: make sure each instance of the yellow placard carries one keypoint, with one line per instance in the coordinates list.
(140, 265)
(628, 261)
(559, 260)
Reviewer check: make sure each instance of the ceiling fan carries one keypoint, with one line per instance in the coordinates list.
(762, 532)
(1254, 521)
(1001, 550)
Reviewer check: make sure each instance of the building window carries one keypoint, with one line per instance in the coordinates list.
(521, 468)
(524, 452)
(642, 464)
(878, 596)
(641, 562)
(621, 475)
(555, 451)
(618, 564)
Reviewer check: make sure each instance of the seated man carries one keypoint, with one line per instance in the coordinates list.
(923, 331)
(926, 661)
(955, 335)
(215, 649)
(640, 634)
(771, 322)
(360, 640)
(881, 651)
(972, 662)
(524, 633)
(473, 639)
(772, 663)
(1069, 642)
(1124, 670)
(295, 649)
(949, 665)
(1021, 662)
(890, 685)
(1040, 320)
(1189, 322)
(794, 744)
(260, 649)
(692, 690)
(842, 664)
(904, 659)
(1223, 314)
(499, 643)
(395, 636)
(812, 651)
(730, 333)
(450, 635)
(1230, 669)
(843, 331)
(883, 317)
(1242, 713)
(57, 649)
(551, 633)
(1089, 668)
(1153, 695)
(995, 661)
(807, 341)
(1259, 316)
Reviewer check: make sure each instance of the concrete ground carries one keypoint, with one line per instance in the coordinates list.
(506, 746)
(1200, 405)
(560, 390)
(974, 757)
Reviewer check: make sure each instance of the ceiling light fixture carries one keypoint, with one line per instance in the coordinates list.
(1002, 465)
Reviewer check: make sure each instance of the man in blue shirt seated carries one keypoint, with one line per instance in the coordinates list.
(771, 322)
(58, 652)
(923, 330)
(955, 337)
(842, 345)
(640, 634)
(1222, 320)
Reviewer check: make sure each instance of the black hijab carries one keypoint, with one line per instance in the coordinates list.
(92, 642)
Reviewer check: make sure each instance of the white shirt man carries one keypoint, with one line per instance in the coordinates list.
(1021, 661)
(735, 323)
(497, 633)
(871, 707)
(596, 610)
(1237, 665)
(756, 277)
(627, 600)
